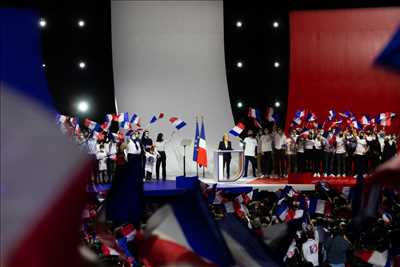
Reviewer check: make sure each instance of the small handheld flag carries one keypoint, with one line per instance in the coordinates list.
(237, 130)
(331, 114)
(155, 118)
(178, 123)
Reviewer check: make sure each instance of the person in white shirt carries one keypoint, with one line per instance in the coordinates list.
(291, 152)
(340, 155)
(318, 154)
(250, 148)
(328, 149)
(279, 151)
(266, 150)
(151, 157)
(101, 156)
(112, 158)
(300, 154)
(309, 152)
(360, 155)
(310, 249)
(91, 144)
(160, 145)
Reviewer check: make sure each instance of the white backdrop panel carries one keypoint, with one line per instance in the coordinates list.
(168, 56)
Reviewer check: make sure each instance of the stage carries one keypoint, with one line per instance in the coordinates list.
(175, 186)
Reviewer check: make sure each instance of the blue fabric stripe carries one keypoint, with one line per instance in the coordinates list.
(20, 55)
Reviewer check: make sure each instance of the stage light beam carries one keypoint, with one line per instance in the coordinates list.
(276, 64)
(81, 23)
(277, 104)
(42, 23)
(239, 64)
(239, 24)
(82, 64)
(275, 24)
(83, 106)
(239, 104)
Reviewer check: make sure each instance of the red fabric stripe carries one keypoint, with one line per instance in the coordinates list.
(54, 239)
(157, 252)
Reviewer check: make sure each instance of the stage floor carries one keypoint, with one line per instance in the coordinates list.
(170, 187)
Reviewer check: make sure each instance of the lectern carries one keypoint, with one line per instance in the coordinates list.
(237, 165)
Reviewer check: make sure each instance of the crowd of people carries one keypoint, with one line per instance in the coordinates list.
(333, 153)
(110, 151)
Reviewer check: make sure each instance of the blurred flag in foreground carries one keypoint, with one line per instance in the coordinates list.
(43, 180)
(237, 130)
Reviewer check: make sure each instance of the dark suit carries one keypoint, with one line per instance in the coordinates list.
(226, 156)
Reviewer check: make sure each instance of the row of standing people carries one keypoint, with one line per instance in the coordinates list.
(108, 152)
(331, 153)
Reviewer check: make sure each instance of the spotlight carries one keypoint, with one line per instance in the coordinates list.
(42, 22)
(83, 106)
(275, 24)
(276, 64)
(239, 104)
(81, 23)
(277, 104)
(82, 64)
(239, 64)
(239, 24)
(43, 65)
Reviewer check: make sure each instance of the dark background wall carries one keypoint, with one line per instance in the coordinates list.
(258, 44)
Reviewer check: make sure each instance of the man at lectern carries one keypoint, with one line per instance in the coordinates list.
(225, 144)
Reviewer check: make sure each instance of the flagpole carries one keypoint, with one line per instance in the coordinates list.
(202, 123)
(197, 164)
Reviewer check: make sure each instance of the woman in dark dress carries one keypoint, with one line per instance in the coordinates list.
(125, 200)
(225, 144)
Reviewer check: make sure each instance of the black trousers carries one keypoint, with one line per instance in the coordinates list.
(318, 155)
(309, 156)
(300, 162)
(361, 164)
(253, 165)
(279, 162)
(227, 165)
(340, 163)
(161, 161)
(266, 164)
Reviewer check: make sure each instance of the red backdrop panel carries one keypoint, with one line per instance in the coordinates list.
(332, 54)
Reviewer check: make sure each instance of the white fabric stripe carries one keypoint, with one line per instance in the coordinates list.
(164, 224)
(241, 257)
(37, 162)
(320, 207)
(202, 143)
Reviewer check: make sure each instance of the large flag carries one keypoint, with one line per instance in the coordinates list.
(178, 123)
(196, 142)
(184, 234)
(385, 119)
(125, 124)
(237, 130)
(255, 115)
(92, 125)
(34, 216)
(244, 246)
(202, 147)
(390, 56)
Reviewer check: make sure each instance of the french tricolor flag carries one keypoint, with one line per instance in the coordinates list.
(298, 116)
(385, 119)
(311, 117)
(47, 212)
(365, 120)
(92, 125)
(108, 251)
(135, 120)
(270, 114)
(237, 130)
(129, 232)
(184, 234)
(331, 114)
(319, 206)
(178, 123)
(125, 124)
(155, 118)
(60, 119)
(356, 124)
(282, 211)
